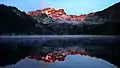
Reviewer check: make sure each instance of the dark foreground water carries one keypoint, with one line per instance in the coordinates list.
(59, 51)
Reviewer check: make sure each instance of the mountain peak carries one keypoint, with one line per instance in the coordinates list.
(58, 13)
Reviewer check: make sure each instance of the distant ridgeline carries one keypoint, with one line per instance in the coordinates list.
(16, 22)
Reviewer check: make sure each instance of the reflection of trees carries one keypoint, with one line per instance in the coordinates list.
(11, 53)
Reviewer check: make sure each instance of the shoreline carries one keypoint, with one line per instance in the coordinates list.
(37, 36)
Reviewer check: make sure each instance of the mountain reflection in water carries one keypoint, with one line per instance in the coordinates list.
(56, 49)
(57, 55)
(71, 61)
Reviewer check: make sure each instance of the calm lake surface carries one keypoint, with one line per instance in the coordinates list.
(71, 61)
(56, 51)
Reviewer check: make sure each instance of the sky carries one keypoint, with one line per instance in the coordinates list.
(71, 7)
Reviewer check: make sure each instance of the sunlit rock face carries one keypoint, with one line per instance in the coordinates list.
(59, 14)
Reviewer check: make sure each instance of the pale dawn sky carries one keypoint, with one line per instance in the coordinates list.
(75, 7)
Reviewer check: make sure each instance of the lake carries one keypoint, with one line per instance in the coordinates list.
(59, 51)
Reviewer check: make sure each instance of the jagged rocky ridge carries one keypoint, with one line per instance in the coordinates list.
(59, 14)
(13, 21)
